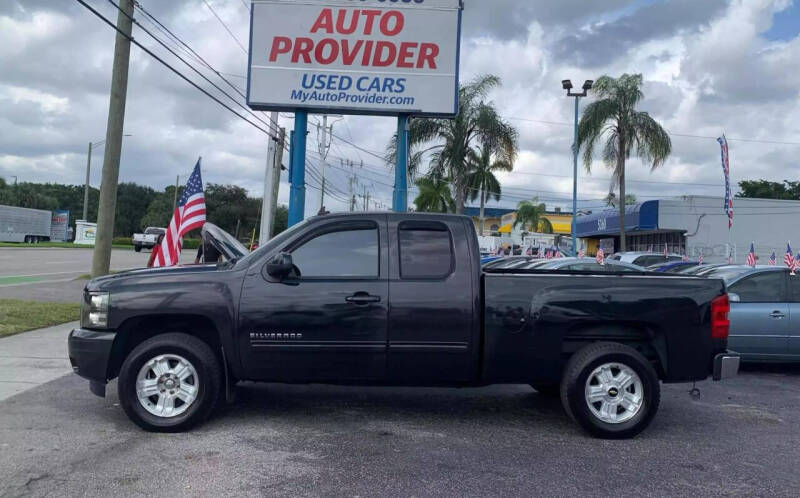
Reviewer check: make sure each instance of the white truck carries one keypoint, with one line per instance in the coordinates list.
(147, 239)
(24, 225)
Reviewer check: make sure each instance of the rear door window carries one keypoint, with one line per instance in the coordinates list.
(794, 287)
(426, 250)
(767, 287)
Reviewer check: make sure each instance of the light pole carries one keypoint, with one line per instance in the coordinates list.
(567, 85)
(92, 146)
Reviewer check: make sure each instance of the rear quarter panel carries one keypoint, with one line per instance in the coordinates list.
(529, 317)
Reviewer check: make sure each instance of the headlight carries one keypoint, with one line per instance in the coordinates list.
(94, 312)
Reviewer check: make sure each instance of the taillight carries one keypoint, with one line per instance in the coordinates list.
(720, 323)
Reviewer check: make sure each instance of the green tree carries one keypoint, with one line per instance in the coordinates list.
(434, 195)
(481, 180)
(530, 214)
(763, 189)
(449, 141)
(132, 201)
(613, 118)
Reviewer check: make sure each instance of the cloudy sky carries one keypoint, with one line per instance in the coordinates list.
(710, 67)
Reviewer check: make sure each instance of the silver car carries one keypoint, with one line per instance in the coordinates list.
(643, 259)
(765, 312)
(583, 264)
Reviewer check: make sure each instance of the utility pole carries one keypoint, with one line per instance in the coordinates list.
(269, 178)
(175, 197)
(86, 185)
(276, 182)
(101, 259)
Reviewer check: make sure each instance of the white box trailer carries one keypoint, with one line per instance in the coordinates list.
(24, 225)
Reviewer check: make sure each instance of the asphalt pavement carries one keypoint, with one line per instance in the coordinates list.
(739, 438)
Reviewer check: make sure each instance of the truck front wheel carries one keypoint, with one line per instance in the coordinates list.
(137, 247)
(611, 390)
(169, 383)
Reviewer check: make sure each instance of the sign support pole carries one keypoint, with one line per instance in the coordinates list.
(401, 166)
(297, 197)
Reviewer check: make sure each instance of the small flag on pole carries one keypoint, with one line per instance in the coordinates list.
(582, 252)
(773, 260)
(751, 256)
(601, 257)
(789, 258)
(700, 259)
(685, 257)
(665, 249)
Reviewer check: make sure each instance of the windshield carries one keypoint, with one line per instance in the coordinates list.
(274, 242)
(726, 273)
(154, 231)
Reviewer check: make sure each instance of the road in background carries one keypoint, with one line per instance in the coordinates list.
(24, 265)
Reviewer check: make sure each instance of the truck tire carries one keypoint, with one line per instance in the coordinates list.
(610, 390)
(169, 383)
(137, 247)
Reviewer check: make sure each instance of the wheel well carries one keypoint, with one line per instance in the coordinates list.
(648, 341)
(137, 330)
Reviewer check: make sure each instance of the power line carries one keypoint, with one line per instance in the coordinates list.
(170, 67)
(160, 42)
(225, 26)
(189, 50)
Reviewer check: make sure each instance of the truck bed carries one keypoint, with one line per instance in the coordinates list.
(533, 320)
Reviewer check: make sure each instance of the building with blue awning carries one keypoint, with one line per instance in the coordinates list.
(695, 225)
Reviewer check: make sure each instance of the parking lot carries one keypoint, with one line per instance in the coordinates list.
(740, 437)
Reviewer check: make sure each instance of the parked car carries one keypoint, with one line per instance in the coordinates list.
(586, 264)
(643, 259)
(673, 266)
(509, 262)
(395, 299)
(701, 269)
(765, 312)
(147, 239)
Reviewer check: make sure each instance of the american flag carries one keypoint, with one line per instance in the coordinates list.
(666, 252)
(685, 257)
(601, 257)
(582, 252)
(190, 214)
(751, 256)
(723, 143)
(773, 260)
(700, 259)
(789, 258)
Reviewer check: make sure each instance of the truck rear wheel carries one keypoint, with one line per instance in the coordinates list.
(169, 383)
(611, 390)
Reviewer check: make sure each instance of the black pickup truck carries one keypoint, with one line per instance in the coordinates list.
(395, 299)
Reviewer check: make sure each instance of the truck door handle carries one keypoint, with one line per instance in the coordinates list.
(362, 298)
(777, 314)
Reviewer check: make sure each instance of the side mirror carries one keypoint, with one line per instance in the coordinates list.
(280, 266)
(734, 298)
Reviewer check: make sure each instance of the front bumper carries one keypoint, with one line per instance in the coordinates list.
(89, 353)
(726, 365)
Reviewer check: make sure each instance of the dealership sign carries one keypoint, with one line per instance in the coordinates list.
(355, 56)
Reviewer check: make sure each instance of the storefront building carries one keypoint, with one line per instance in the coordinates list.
(696, 225)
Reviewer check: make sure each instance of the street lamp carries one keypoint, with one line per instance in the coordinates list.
(92, 146)
(567, 85)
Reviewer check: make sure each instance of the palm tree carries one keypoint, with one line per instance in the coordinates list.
(614, 117)
(449, 141)
(481, 180)
(530, 214)
(434, 195)
(611, 199)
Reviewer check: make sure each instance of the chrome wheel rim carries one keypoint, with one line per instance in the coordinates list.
(614, 393)
(167, 385)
